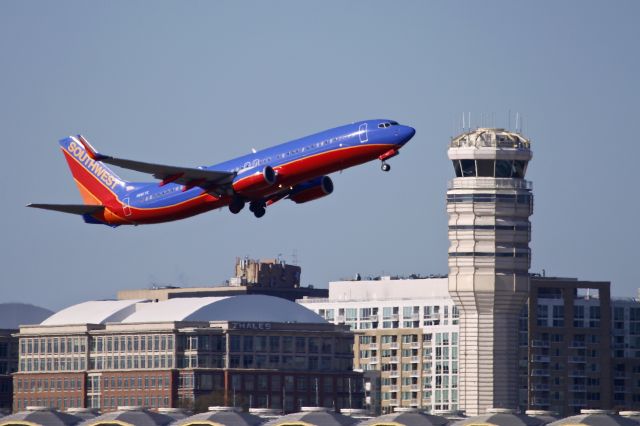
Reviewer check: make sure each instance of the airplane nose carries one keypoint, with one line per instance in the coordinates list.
(406, 133)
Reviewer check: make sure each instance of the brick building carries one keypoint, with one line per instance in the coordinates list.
(252, 350)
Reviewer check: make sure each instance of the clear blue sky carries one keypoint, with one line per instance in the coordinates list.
(198, 82)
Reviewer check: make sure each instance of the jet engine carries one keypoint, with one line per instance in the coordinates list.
(311, 190)
(254, 180)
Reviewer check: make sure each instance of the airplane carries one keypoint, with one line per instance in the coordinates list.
(295, 170)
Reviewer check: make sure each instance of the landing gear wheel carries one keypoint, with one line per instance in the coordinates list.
(237, 204)
(385, 167)
(258, 208)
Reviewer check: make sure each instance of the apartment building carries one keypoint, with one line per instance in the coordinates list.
(407, 329)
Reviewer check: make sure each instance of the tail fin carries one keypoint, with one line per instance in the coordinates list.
(97, 184)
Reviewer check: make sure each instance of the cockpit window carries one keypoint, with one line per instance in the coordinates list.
(387, 124)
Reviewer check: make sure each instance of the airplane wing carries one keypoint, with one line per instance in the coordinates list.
(187, 176)
(70, 208)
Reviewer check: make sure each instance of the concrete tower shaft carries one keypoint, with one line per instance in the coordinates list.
(489, 203)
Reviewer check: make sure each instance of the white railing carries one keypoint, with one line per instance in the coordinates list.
(489, 183)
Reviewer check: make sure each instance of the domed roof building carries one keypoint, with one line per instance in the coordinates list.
(546, 416)
(245, 308)
(313, 416)
(130, 416)
(227, 416)
(589, 417)
(40, 416)
(404, 416)
(501, 417)
(83, 413)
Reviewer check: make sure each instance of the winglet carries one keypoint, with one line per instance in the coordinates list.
(93, 153)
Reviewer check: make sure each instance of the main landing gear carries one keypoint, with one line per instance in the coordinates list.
(236, 205)
(258, 208)
(385, 167)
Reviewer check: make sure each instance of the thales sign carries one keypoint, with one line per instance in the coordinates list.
(250, 325)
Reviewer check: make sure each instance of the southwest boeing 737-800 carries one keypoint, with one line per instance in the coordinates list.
(296, 170)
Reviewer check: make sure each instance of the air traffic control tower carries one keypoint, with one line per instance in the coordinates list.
(489, 203)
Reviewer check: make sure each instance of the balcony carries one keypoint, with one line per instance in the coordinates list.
(393, 388)
(540, 388)
(415, 388)
(578, 373)
(415, 359)
(373, 360)
(394, 373)
(539, 343)
(415, 345)
(578, 388)
(540, 358)
(415, 373)
(393, 359)
(539, 373)
(577, 345)
(393, 345)
(489, 183)
(577, 360)
(372, 346)
(540, 401)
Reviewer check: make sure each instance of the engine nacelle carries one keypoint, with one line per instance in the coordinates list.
(312, 190)
(254, 180)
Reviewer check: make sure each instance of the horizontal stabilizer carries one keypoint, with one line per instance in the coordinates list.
(80, 209)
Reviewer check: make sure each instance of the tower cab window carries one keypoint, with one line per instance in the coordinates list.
(490, 168)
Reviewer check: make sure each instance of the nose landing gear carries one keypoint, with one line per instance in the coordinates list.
(384, 157)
